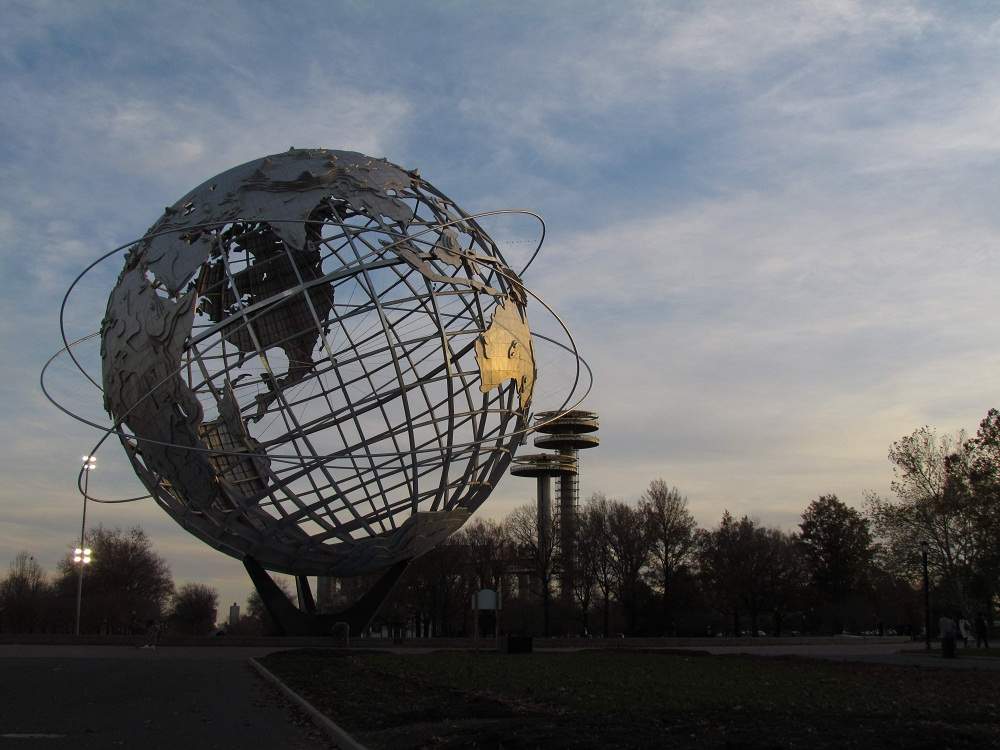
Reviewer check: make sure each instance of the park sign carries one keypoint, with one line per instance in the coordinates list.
(485, 599)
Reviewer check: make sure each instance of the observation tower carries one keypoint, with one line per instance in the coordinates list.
(566, 434)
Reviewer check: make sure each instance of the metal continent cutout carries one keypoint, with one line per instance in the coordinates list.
(504, 352)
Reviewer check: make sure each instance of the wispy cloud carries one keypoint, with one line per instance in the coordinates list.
(772, 226)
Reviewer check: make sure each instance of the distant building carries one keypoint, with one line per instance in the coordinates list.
(234, 615)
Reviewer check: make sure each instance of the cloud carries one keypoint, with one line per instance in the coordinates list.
(652, 69)
(771, 226)
(763, 348)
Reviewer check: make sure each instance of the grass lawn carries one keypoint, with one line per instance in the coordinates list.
(638, 700)
(980, 652)
(961, 652)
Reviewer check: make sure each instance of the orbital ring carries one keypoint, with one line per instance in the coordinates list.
(216, 224)
(116, 428)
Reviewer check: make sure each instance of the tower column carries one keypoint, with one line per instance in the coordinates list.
(544, 512)
(543, 466)
(567, 433)
(568, 507)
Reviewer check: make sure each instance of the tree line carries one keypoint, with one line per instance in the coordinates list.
(647, 568)
(127, 589)
(638, 568)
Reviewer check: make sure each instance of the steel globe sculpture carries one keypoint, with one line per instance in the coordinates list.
(319, 364)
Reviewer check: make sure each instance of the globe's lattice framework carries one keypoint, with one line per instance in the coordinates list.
(318, 363)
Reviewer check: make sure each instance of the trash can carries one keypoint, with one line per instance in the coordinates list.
(517, 644)
(948, 647)
(341, 633)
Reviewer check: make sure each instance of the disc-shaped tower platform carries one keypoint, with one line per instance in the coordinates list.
(577, 421)
(568, 434)
(544, 466)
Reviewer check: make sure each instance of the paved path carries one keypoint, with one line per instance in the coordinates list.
(176, 699)
(168, 653)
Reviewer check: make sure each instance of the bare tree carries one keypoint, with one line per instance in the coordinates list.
(193, 609)
(446, 570)
(838, 551)
(126, 585)
(782, 574)
(670, 527)
(595, 521)
(23, 595)
(629, 541)
(489, 546)
(975, 487)
(590, 549)
(259, 619)
(926, 510)
(539, 543)
(725, 565)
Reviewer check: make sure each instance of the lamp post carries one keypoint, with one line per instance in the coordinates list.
(81, 555)
(924, 546)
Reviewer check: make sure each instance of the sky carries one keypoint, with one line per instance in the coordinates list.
(770, 226)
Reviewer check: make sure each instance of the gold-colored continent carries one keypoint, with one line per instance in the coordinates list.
(503, 352)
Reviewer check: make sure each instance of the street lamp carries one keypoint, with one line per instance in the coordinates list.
(81, 555)
(924, 546)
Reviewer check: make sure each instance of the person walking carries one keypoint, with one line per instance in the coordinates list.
(948, 631)
(982, 631)
(964, 630)
(152, 634)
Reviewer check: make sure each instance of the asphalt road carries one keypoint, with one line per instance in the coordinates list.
(132, 698)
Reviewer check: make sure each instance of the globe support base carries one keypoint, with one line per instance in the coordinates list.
(290, 620)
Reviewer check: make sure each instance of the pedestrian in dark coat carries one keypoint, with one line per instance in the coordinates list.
(982, 631)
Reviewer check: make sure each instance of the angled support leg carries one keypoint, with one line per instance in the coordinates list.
(306, 601)
(290, 620)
